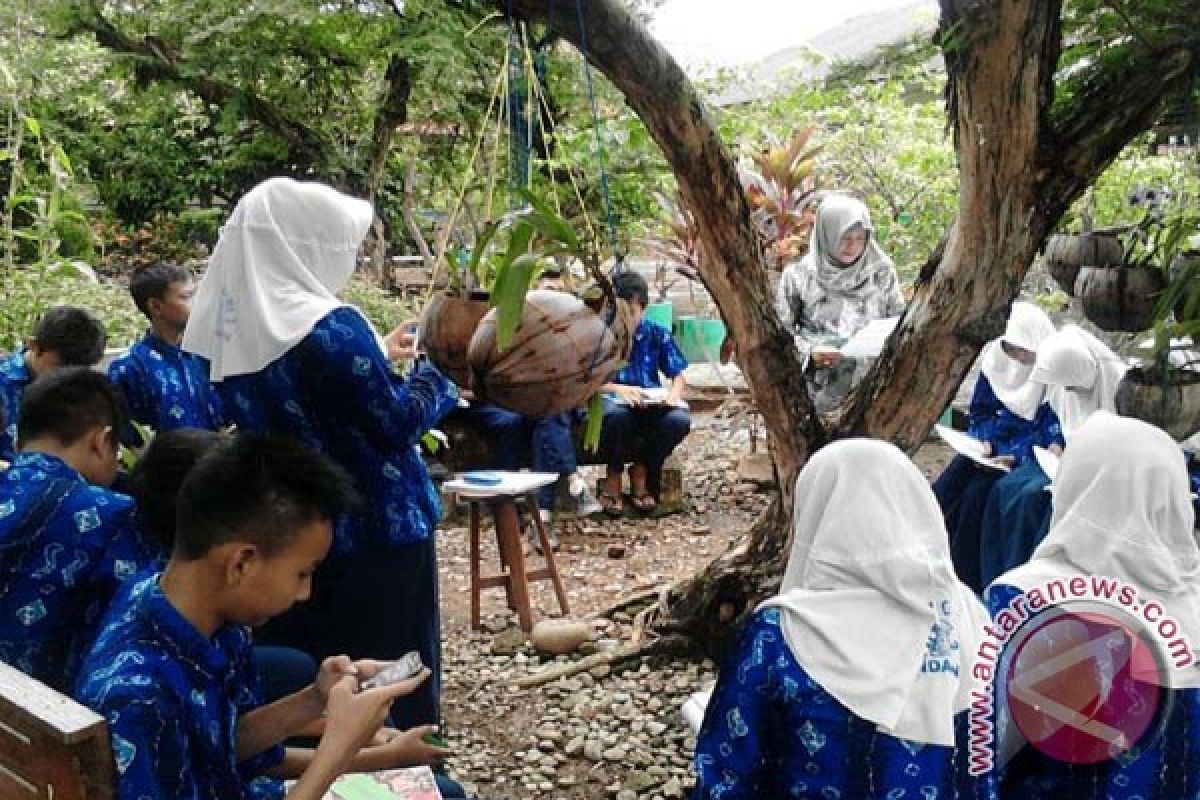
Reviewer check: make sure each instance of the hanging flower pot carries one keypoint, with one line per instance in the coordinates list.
(1171, 402)
(1066, 253)
(1119, 298)
(562, 352)
(446, 329)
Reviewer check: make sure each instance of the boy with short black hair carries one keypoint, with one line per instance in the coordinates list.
(165, 387)
(65, 336)
(66, 541)
(172, 669)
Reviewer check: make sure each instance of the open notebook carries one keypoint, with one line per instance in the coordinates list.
(411, 783)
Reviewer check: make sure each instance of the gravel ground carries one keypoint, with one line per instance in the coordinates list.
(606, 732)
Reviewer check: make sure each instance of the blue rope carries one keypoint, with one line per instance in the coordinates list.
(600, 154)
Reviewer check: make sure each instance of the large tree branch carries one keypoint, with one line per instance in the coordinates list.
(158, 61)
(392, 113)
(658, 91)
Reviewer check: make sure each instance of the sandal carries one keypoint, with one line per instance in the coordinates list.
(643, 502)
(611, 504)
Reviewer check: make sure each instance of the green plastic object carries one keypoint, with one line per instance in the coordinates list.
(700, 339)
(660, 313)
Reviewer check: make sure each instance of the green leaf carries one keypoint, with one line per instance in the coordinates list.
(595, 423)
(34, 126)
(513, 280)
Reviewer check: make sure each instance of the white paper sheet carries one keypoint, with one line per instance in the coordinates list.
(869, 342)
(970, 447)
(1047, 461)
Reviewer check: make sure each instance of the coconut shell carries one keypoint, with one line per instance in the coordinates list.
(445, 333)
(1119, 298)
(1067, 253)
(560, 355)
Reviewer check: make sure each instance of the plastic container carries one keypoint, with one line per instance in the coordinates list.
(700, 339)
(660, 313)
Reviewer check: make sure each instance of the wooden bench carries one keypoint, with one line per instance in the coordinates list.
(51, 748)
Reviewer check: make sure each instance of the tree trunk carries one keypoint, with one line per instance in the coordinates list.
(1019, 174)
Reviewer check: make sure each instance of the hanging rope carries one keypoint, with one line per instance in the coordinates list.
(606, 196)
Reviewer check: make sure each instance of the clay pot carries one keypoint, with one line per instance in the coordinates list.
(1174, 407)
(1065, 254)
(560, 355)
(1119, 298)
(446, 329)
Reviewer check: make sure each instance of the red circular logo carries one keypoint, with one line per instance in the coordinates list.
(1084, 686)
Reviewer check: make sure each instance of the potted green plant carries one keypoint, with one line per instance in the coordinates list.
(1165, 389)
(1123, 297)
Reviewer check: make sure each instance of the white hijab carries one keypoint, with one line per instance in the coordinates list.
(1123, 509)
(1082, 375)
(287, 250)
(836, 215)
(1028, 327)
(870, 593)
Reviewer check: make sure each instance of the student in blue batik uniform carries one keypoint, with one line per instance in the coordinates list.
(154, 485)
(1009, 415)
(172, 669)
(1081, 375)
(1128, 518)
(64, 337)
(66, 543)
(164, 386)
(636, 432)
(852, 681)
(287, 356)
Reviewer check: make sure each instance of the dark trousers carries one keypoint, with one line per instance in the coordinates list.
(644, 435)
(515, 441)
(378, 604)
(283, 671)
(962, 491)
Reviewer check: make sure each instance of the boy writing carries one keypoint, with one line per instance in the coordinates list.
(172, 669)
(165, 387)
(65, 336)
(66, 542)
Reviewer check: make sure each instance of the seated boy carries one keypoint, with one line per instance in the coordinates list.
(638, 429)
(172, 669)
(66, 542)
(165, 387)
(64, 337)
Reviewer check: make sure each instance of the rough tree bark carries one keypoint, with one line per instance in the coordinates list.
(1021, 168)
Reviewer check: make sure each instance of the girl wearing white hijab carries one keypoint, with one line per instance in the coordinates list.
(849, 681)
(288, 357)
(1080, 374)
(1129, 518)
(842, 283)
(1010, 415)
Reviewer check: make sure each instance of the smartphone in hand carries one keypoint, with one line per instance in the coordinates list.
(399, 670)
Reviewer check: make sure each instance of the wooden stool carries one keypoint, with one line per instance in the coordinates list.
(514, 578)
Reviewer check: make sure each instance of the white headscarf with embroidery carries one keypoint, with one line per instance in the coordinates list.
(287, 250)
(872, 609)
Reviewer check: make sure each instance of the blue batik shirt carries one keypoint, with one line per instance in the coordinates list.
(654, 351)
(172, 698)
(65, 548)
(771, 731)
(1164, 765)
(336, 391)
(1008, 433)
(14, 377)
(166, 387)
